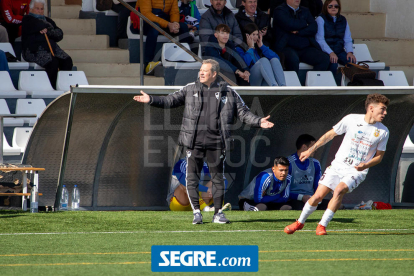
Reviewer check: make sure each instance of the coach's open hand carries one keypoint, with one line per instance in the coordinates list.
(142, 99)
(264, 123)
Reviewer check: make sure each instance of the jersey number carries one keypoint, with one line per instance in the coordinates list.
(348, 161)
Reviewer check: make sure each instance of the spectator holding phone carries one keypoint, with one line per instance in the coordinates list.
(264, 64)
(334, 35)
(250, 13)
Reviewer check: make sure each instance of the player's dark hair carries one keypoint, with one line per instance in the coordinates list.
(304, 139)
(281, 160)
(376, 99)
(222, 28)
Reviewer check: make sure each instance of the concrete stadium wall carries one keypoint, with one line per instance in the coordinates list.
(120, 153)
(400, 19)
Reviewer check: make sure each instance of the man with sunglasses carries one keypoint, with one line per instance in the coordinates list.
(294, 30)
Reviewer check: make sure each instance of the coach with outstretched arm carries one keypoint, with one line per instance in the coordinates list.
(211, 106)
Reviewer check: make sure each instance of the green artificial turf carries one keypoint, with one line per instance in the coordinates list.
(119, 243)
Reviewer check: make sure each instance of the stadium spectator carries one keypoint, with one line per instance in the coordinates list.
(362, 147)
(264, 64)
(217, 14)
(224, 52)
(190, 15)
(12, 12)
(269, 190)
(123, 14)
(165, 14)
(295, 29)
(314, 6)
(206, 130)
(4, 37)
(37, 32)
(249, 13)
(305, 175)
(334, 35)
(177, 196)
(4, 65)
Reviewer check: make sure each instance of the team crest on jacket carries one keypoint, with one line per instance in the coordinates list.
(188, 154)
(377, 132)
(224, 99)
(217, 95)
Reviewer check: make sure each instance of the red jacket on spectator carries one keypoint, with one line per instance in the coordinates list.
(12, 11)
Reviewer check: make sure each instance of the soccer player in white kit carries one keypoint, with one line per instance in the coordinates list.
(363, 147)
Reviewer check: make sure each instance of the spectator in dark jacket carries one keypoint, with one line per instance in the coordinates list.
(314, 6)
(223, 51)
(250, 13)
(12, 12)
(4, 65)
(217, 14)
(295, 29)
(35, 28)
(334, 35)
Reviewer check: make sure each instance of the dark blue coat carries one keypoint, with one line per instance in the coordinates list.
(335, 32)
(285, 21)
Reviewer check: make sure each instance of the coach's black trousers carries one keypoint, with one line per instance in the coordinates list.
(215, 161)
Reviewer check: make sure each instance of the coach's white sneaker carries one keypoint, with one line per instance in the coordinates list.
(198, 218)
(220, 218)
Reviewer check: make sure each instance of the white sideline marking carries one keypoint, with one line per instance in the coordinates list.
(199, 231)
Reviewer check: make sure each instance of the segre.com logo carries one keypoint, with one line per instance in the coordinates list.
(205, 258)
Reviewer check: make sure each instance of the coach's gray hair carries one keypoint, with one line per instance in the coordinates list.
(31, 5)
(215, 67)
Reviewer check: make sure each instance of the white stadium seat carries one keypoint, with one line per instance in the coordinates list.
(7, 89)
(21, 137)
(172, 54)
(67, 78)
(305, 66)
(292, 78)
(361, 53)
(7, 47)
(7, 150)
(320, 78)
(30, 106)
(408, 146)
(37, 84)
(4, 109)
(393, 78)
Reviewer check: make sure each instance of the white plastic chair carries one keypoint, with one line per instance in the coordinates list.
(292, 78)
(305, 66)
(7, 89)
(7, 150)
(393, 78)
(21, 137)
(37, 84)
(4, 109)
(30, 106)
(171, 54)
(320, 78)
(361, 53)
(7, 47)
(408, 146)
(67, 78)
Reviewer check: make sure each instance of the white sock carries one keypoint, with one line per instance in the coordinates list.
(306, 212)
(327, 217)
(196, 211)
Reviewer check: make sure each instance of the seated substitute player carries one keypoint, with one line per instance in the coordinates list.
(269, 190)
(177, 196)
(305, 175)
(363, 147)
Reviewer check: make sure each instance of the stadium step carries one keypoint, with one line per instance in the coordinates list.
(366, 25)
(76, 26)
(148, 80)
(110, 55)
(67, 11)
(62, 3)
(109, 69)
(355, 6)
(392, 51)
(84, 42)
